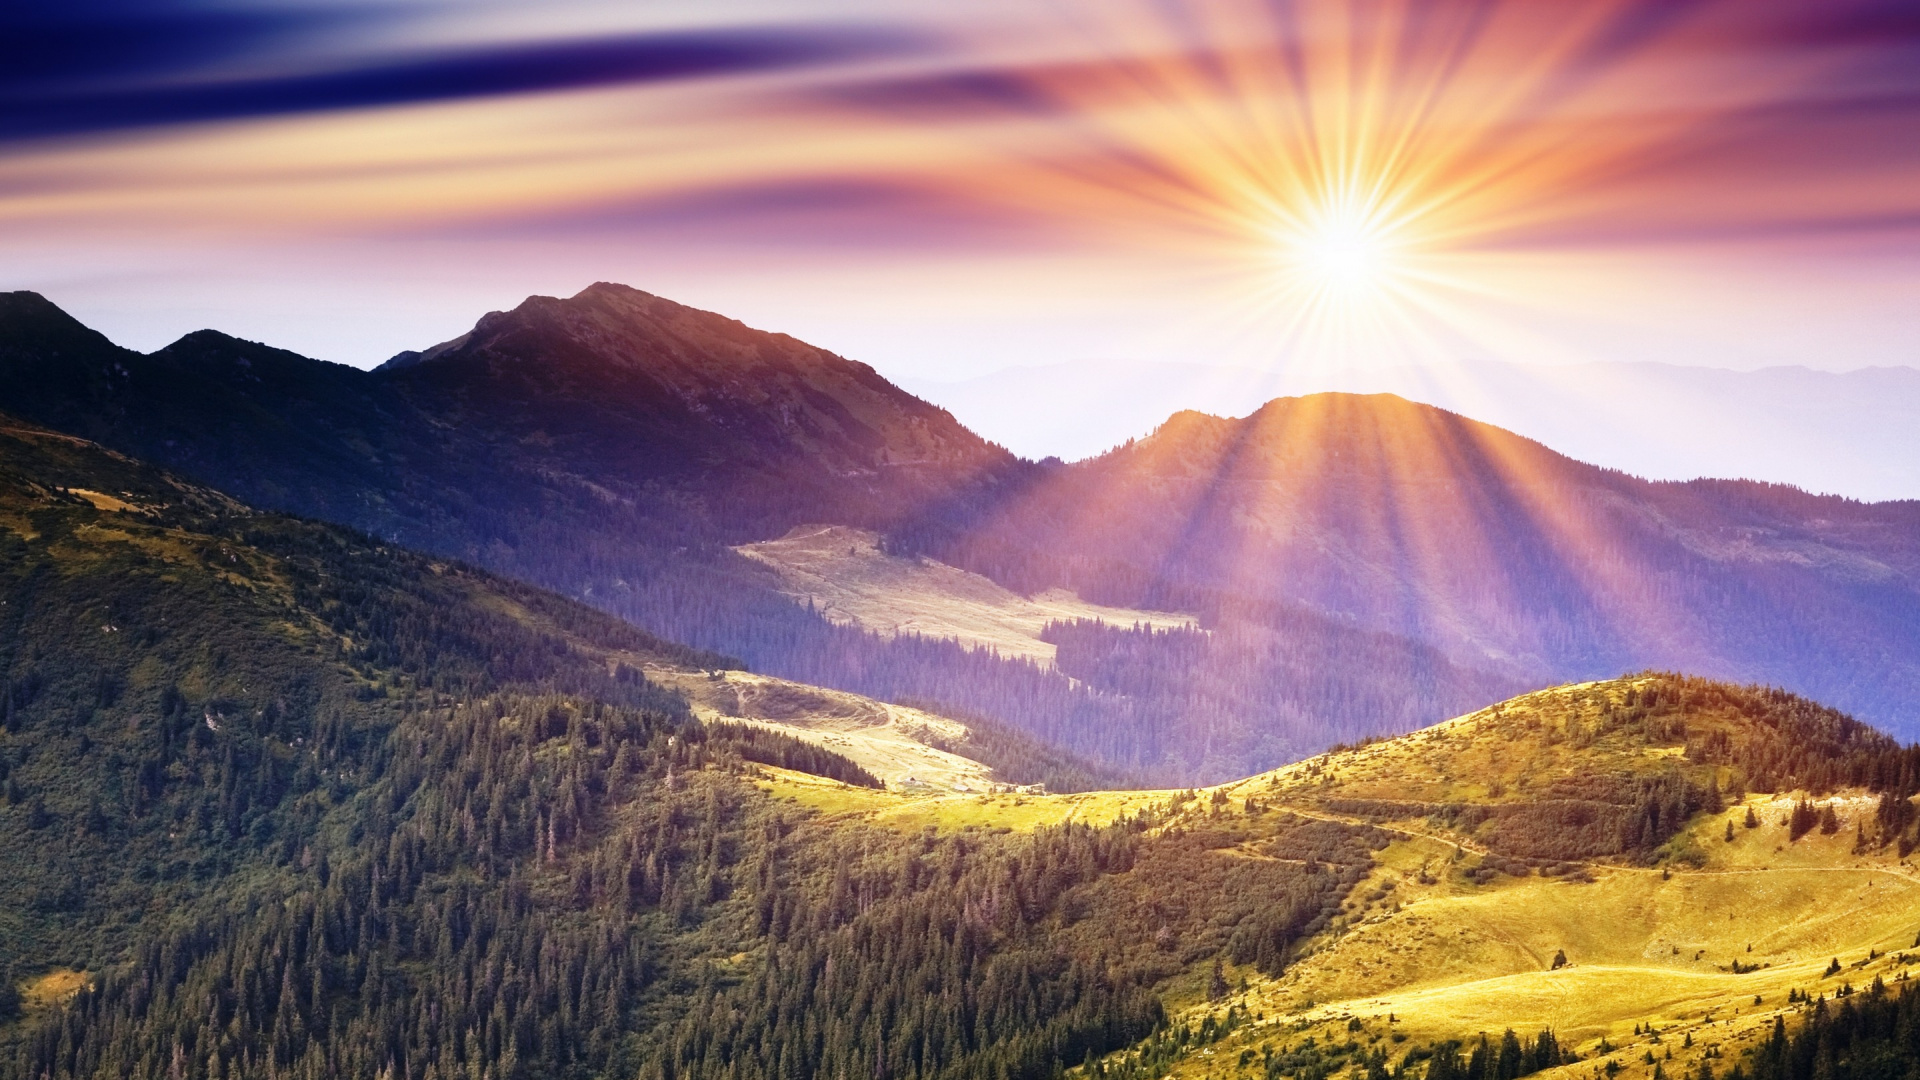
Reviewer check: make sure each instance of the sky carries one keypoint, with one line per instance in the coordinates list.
(946, 189)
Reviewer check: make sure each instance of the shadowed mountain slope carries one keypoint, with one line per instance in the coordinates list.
(611, 403)
(630, 373)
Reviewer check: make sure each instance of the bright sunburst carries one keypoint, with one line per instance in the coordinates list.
(1344, 249)
(1345, 178)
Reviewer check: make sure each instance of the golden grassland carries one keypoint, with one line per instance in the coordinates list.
(1422, 953)
(897, 744)
(1646, 948)
(1497, 754)
(948, 810)
(47, 989)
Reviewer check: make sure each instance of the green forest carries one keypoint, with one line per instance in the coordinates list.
(311, 805)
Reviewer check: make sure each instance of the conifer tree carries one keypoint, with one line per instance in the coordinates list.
(1801, 820)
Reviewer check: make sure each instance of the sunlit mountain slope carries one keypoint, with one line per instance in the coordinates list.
(1579, 860)
(1618, 862)
(1418, 522)
(1846, 433)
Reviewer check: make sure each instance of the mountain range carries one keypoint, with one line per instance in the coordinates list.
(1353, 564)
(282, 798)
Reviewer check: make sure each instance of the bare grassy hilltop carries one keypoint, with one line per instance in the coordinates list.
(1650, 865)
(1684, 942)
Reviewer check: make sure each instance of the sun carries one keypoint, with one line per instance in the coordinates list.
(1345, 253)
(1350, 273)
(1343, 248)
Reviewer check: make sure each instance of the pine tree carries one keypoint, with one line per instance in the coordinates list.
(1512, 1060)
(1802, 820)
(9, 994)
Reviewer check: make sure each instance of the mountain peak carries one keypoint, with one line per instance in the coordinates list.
(608, 297)
(617, 367)
(1375, 434)
(614, 290)
(604, 328)
(29, 322)
(202, 342)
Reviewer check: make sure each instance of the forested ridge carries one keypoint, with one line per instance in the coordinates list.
(1711, 741)
(305, 804)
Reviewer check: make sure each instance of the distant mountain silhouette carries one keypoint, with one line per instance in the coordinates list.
(612, 402)
(1363, 564)
(1845, 433)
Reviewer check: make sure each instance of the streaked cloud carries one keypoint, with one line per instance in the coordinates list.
(926, 184)
(108, 66)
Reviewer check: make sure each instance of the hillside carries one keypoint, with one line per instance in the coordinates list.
(281, 799)
(1579, 861)
(177, 671)
(1582, 860)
